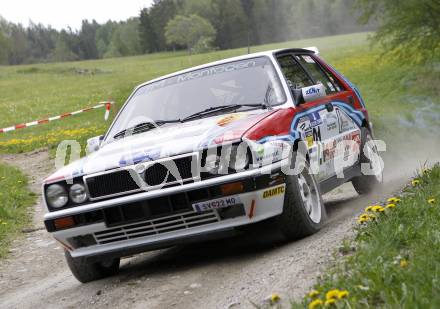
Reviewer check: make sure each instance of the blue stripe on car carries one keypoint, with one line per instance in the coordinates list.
(357, 116)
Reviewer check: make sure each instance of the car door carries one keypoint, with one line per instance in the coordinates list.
(316, 120)
(339, 128)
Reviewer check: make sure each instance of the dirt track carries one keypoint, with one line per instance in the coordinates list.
(232, 273)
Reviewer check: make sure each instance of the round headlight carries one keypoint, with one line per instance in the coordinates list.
(56, 196)
(78, 193)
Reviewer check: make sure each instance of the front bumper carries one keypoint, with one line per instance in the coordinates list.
(102, 238)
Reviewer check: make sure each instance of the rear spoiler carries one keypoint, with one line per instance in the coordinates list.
(313, 49)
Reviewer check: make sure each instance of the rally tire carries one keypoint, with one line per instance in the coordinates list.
(85, 271)
(365, 184)
(299, 218)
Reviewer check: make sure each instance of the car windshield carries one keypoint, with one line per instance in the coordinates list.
(250, 81)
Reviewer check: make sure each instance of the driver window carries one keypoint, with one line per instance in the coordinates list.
(295, 75)
(318, 74)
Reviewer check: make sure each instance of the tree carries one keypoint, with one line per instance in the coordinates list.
(231, 24)
(410, 29)
(18, 51)
(147, 35)
(130, 32)
(41, 42)
(117, 46)
(248, 8)
(161, 12)
(4, 48)
(103, 37)
(87, 43)
(63, 48)
(125, 39)
(5, 43)
(188, 31)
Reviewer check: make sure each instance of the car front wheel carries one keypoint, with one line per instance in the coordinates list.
(86, 271)
(303, 211)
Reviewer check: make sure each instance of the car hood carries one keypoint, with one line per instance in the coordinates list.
(165, 141)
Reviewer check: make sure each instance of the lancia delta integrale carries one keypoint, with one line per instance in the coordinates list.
(210, 150)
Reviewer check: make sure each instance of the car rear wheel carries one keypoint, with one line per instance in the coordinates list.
(86, 271)
(365, 184)
(304, 211)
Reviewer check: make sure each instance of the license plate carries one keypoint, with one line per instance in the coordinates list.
(217, 203)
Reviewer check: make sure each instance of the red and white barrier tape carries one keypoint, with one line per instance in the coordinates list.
(107, 106)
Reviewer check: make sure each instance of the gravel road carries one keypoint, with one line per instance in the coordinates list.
(231, 273)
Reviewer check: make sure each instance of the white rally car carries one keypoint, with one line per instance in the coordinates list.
(200, 152)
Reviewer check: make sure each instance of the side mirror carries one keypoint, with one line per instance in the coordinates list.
(94, 143)
(298, 96)
(307, 94)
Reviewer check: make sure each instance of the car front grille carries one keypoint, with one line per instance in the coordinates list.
(157, 226)
(157, 173)
(121, 181)
(111, 183)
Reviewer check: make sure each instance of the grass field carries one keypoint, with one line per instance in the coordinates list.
(393, 261)
(37, 91)
(15, 199)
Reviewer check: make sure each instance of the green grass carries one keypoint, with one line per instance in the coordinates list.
(14, 208)
(395, 263)
(32, 92)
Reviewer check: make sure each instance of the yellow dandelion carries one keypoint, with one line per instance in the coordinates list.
(362, 220)
(330, 302)
(403, 263)
(393, 200)
(415, 182)
(389, 206)
(313, 294)
(378, 208)
(332, 294)
(274, 298)
(431, 201)
(372, 217)
(369, 208)
(343, 294)
(315, 304)
(364, 216)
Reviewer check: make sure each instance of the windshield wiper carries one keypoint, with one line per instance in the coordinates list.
(222, 108)
(144, 127)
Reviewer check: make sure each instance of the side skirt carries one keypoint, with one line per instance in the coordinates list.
(334, 182)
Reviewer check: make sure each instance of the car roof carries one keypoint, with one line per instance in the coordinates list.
(268, 53)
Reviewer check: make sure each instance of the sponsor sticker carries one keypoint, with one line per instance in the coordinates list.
(356, 136)
(228, 119)
(331, 126)
(273, 192)
(314, 92)
(308, 59)
(309, 139)
(315, 119)
(345, 122)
